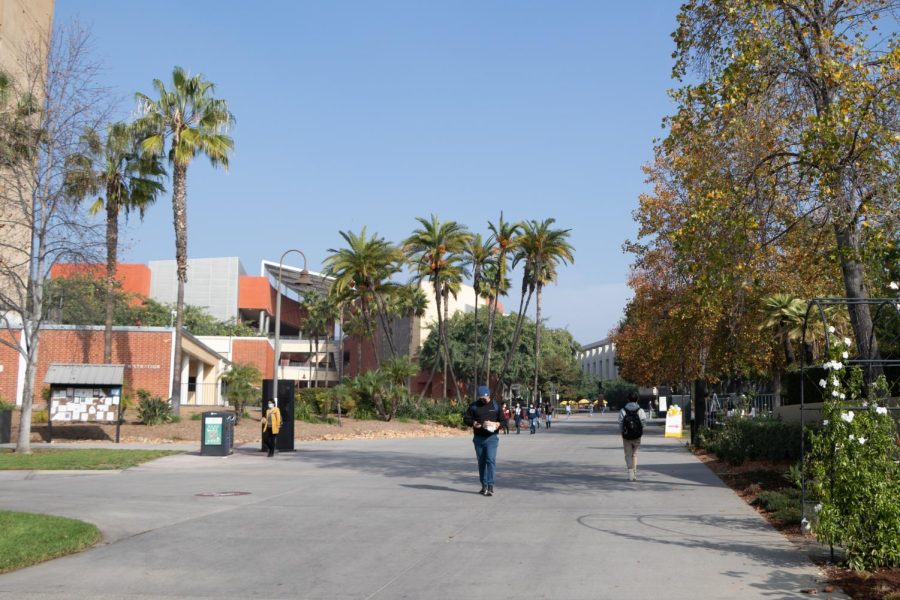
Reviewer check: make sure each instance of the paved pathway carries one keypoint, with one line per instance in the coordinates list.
(402, 519)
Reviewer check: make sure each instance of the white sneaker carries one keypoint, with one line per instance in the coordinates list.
(631, 475)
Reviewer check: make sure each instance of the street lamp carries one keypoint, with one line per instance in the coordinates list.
(303, 278)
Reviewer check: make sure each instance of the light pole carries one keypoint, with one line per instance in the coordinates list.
(304, 278)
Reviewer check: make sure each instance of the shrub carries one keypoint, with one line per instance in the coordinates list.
(783, 504)
(855, 470)
(753, 439)
(153, 410)
(4, 405)
(39, 416)
(318, 399)
(196, 417)
(364, 413)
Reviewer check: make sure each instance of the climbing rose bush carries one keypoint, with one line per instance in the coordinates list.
(854, 468)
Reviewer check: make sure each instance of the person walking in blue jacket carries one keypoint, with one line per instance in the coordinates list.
(484, 417)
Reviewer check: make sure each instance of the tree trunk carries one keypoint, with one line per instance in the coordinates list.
(788, 349)
(447, 344)
(316, 366)
(112, 245)
(179, 210)
(537, 339)
(30, 341)
(853, 272)
(477, 370)
(520, 318)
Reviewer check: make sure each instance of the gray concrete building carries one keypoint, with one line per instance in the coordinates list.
(599, 359)
(212, 284)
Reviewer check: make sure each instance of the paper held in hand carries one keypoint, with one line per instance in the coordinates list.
(491, 426)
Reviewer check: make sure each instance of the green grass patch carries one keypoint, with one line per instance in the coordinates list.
(29, 538)
(77, 459)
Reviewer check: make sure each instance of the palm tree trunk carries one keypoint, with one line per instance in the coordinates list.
(179, 210)
(112, 243)
(385, 326)
(316, 366)
(447, 344)
(537, 339)
(517, 332)
(475, 357)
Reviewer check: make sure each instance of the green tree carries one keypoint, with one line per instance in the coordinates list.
(799, 101)
(505, 235)
(242, 381)
(436, 253)
(321, 313)
(362, 273)
(478, 255)
(127, 181)
(542, 248)
(193, 122)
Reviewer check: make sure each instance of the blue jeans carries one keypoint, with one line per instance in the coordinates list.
(486, 452)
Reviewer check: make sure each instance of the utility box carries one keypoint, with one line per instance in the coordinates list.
(5, 426)
(217, 435)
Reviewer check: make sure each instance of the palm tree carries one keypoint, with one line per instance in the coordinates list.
(505, 236)
(784, 313)
(479, 255)
(542, 248)
(193, 122)
(361, 271)
(320, 313)
(435, 250)
(129, 181)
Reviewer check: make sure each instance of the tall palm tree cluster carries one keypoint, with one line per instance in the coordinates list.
(125, 165)
(445, 254)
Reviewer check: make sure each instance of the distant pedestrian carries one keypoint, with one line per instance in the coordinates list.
(484, 417)
(591, 409)
(271, 425)
(631, 426)
(568, 411)
(532, 417)
(548, 418)
(506, 417)
(517, 415)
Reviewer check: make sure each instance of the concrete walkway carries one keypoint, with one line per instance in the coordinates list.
(402, 519)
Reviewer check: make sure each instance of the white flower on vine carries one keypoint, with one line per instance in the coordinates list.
(843, 396)
(852, 438)
(818, 507)
(894, 285)
(847, 417)
(822, 383)
(837, 366)
(847, 342)
(824, 421)
(865, 404)
(835, 393)
(881, 410)
(831, 329)
(845, 354)
(835, 382)
(861, 440)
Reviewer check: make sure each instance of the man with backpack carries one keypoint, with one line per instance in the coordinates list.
(631, 426)
(484, 417)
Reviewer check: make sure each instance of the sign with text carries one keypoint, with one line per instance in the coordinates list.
(213, 431)
(673, 422)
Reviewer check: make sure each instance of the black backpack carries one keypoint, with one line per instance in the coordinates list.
(632, 428)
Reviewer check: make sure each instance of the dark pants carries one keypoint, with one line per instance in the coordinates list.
(486, 452)
(518, 424)
(269, 441)
(505, 425)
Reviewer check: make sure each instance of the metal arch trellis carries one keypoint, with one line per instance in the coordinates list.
(885, 309)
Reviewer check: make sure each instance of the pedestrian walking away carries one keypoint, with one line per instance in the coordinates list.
(506, 416)
(631, 426)
(532, 418)
(568, 411)
(271, 425)
(517, 413)
(484, 417)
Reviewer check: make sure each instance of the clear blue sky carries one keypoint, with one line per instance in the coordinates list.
(373, 113)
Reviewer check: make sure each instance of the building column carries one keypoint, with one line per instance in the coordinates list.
(198, 387)
(185, 373)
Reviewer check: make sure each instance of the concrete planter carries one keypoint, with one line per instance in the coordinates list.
(5, 426)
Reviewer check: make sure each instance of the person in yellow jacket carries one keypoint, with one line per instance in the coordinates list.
(271, 424)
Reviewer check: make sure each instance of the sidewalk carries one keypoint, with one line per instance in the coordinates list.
(402, 519)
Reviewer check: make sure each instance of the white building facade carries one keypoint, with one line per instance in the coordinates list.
(599, 359)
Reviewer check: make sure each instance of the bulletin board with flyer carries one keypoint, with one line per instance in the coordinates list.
(84, 394)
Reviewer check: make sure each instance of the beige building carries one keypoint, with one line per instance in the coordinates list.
(25, 26)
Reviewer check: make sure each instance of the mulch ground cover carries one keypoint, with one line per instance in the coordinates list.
(754, 477)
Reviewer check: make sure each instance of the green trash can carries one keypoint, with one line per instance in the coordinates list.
(217, 435)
